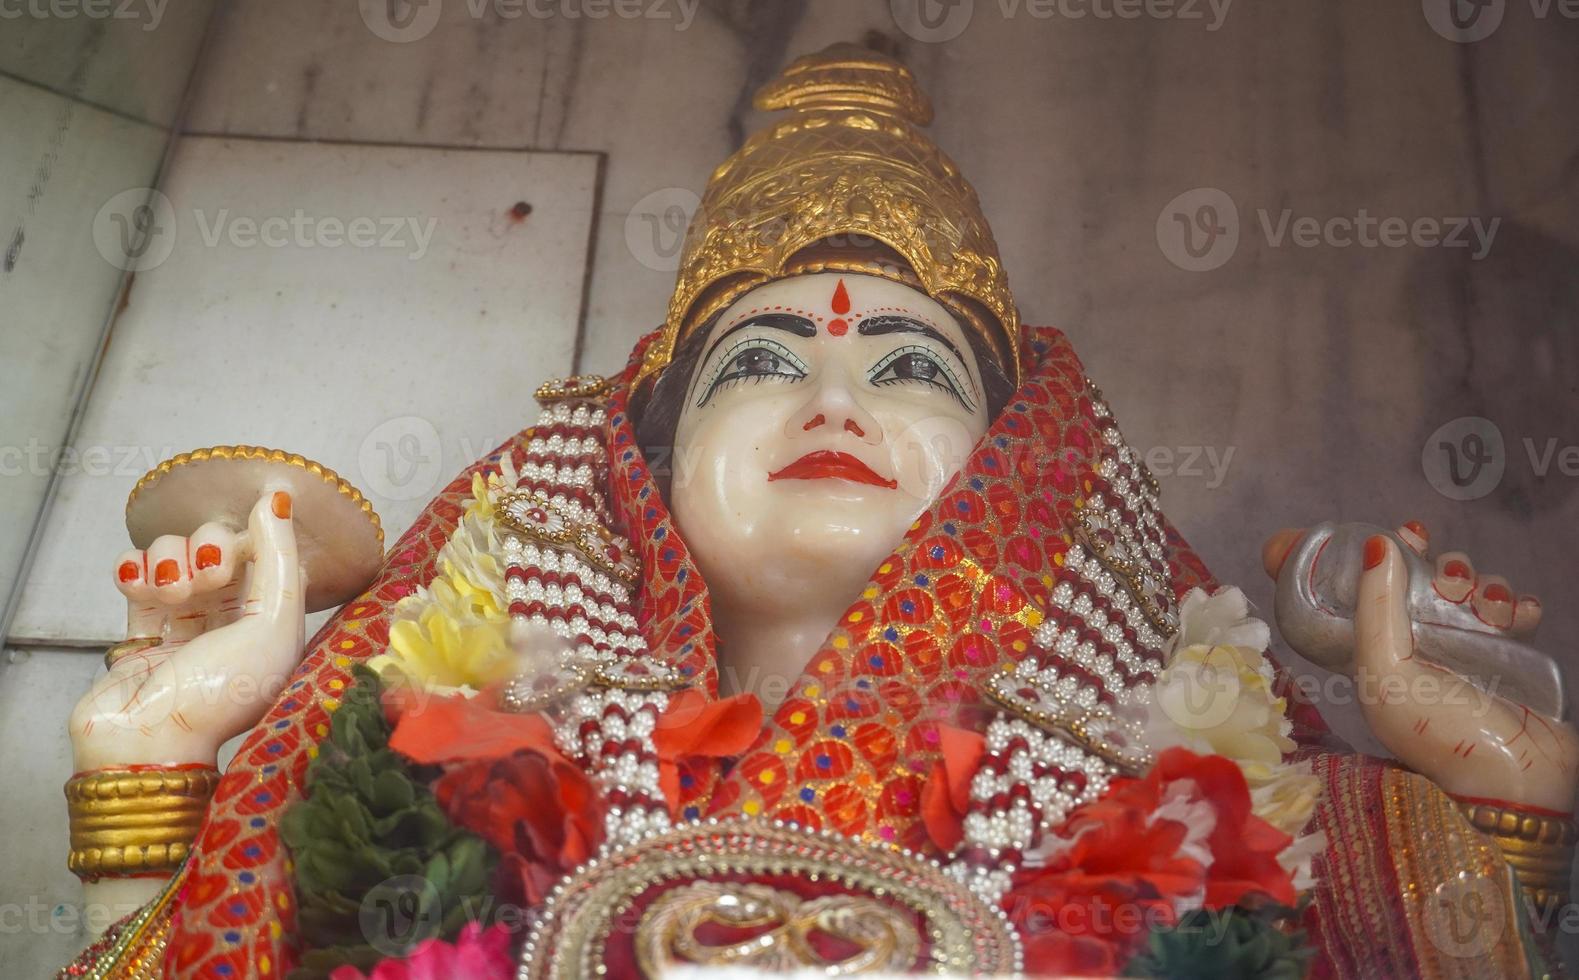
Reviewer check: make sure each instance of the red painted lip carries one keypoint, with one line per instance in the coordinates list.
(825, 464)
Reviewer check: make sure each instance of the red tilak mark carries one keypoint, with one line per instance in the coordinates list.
(838, 327)
(814, 422)
(128, 571)
(841, 299)
(207, 555)
(850, 426)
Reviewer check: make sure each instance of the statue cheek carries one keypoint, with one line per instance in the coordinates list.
(927, 452)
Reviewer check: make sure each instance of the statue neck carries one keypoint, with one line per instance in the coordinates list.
(763, 652)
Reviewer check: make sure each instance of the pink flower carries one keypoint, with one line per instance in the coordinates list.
(477, 954)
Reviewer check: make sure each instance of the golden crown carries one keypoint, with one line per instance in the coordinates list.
(849, 166)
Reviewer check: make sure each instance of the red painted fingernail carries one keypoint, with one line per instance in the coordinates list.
(1375, 551)
(1455, 569)
(282, 505)
(166, 572)
(1418, 529)
(129, 571)
(1497, 592)
(207, 556)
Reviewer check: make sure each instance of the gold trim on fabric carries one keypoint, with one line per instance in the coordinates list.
(340, 484)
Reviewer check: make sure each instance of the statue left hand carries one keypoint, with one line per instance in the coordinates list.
(1469, 742)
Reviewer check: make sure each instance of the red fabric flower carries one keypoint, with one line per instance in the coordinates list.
(542, 813)
(946, 796)
(693, 729)
(507, 782)
(1123, 872)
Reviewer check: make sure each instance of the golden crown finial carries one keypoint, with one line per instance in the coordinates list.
(847, 164)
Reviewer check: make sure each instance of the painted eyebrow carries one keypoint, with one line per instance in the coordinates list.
(797, 325)
(877, 326)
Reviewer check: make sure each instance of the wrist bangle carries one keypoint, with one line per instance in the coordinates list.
(1537, 844)
(136, 820)
(126, 648)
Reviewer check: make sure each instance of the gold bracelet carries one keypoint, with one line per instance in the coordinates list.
(1539, 847)
(136, 820)
(126, 648)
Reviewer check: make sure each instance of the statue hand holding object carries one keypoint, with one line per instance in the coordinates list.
(204, 612)
(235, 545)
(1446, 680)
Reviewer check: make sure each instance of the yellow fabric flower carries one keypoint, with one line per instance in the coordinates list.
(446, 654)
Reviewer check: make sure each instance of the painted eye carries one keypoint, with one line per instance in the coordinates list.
(915, 367)
(757, 361)
(754, 361)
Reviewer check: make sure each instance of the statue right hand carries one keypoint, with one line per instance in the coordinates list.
(228, 609)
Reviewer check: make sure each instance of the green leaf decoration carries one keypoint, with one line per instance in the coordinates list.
(378, 866)
(1226, 944)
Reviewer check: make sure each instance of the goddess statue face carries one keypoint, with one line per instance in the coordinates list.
(826, 412)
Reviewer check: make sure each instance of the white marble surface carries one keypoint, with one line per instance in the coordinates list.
(42, 901)
(60, 160)
(131, 57)
(395, 363)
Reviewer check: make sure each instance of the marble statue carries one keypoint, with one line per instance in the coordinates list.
(841, 629)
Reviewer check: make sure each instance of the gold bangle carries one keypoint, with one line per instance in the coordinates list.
(127, 647)
(135, 820)
(1539, 847)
